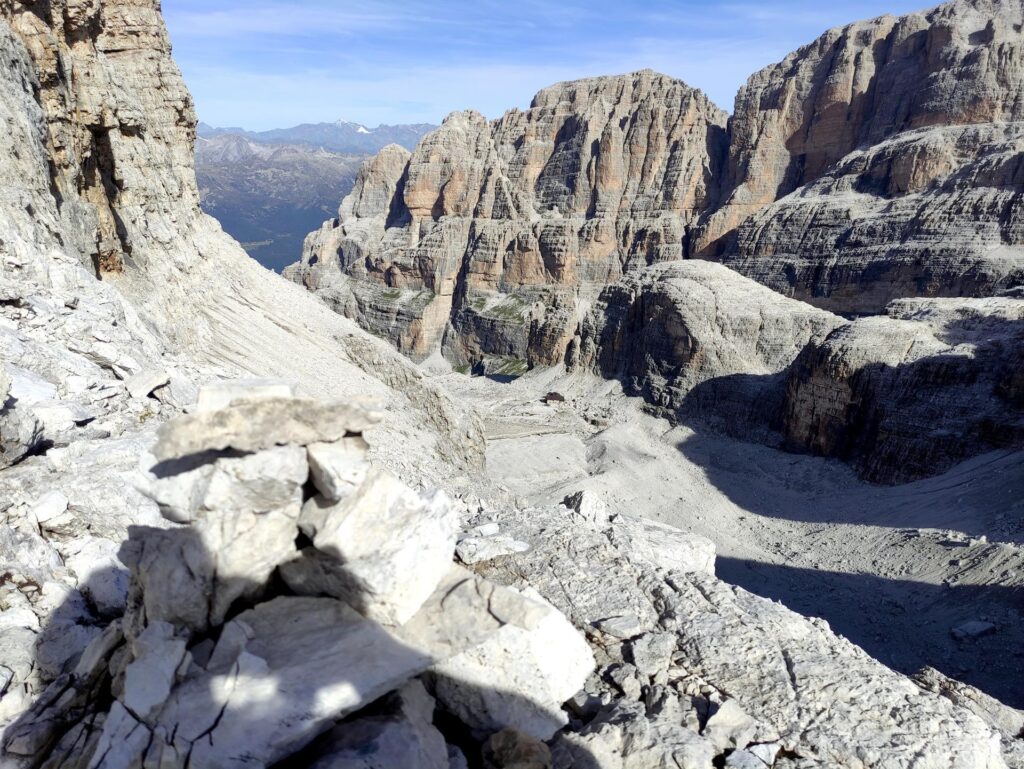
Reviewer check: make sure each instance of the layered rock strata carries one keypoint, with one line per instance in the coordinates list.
(911, 393)
(881, 161)
(489, 236)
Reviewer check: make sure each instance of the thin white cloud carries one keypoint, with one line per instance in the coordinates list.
(275, 62)
(285, 18)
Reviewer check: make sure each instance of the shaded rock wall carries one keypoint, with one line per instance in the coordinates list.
(696, 340)
(911, 393)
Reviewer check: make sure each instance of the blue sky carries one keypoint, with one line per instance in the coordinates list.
(274, 63)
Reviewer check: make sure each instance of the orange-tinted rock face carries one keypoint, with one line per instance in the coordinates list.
(917, 214)
(878, 162)
(962, 63)
(495, 231)
(119, 129)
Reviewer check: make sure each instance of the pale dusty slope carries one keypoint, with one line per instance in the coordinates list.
(124, 199)
(894, 569)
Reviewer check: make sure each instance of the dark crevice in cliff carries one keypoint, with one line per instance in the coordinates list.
(101, 188)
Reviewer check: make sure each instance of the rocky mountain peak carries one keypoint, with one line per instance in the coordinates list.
(517, 216)
(631, 87)
(230, 518)
(858, 85)
(500, 231)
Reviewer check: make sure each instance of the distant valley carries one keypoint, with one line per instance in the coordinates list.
(268, 189)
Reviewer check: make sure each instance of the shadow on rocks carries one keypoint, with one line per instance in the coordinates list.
(972, 633)
(270, 678)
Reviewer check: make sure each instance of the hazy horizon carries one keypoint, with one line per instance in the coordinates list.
(277, 63)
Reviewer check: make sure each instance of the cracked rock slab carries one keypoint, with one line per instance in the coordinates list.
(262, 424)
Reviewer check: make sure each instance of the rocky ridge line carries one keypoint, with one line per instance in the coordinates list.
(881, 162)
(878, 162)
(483, 241)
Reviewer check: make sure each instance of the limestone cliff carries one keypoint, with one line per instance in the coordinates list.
(882, 161)
(490, 237)
(98, 132)
(911, 393)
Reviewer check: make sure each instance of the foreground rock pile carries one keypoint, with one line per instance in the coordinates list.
(297, 586)
(297, 604)
(693, 672)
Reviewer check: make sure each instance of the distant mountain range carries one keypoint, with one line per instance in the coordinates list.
(268, 189)
(341, 136)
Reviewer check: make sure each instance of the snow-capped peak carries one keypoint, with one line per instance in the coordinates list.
(359, 127)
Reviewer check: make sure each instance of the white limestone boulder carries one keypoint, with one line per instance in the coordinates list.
(218, 395)
(383, 548)
(520, 677)
(337, 469)
(142, 384)
(253, 425)
(244, 513)
(661, 545)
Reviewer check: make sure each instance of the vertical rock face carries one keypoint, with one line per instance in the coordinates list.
(488, 238)
(912, 393)
(98, 132)
(881, 161)
(116, 121)
(696, 339)
(898, 86)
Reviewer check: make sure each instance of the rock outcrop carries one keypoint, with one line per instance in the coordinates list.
(901, 396)
(99, 132)
(489, 238)
(909, 394)
(254, 626)
(698, 341)
(227, 654)
(882, 161)
(691, 670)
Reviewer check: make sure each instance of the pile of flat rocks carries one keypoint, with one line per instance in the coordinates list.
(300, 603)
